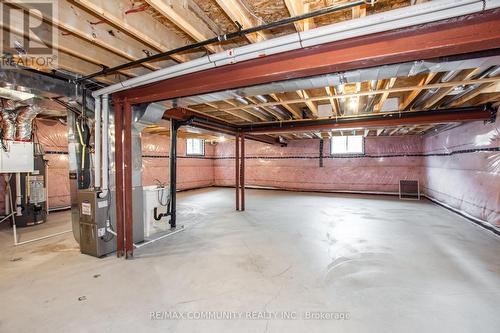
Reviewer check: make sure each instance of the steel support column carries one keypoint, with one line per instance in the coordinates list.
(242, 182)
(127, 145)
(120, 235)
(173, 173)
(237, 170)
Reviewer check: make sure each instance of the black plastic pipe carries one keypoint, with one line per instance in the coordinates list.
(173, 172)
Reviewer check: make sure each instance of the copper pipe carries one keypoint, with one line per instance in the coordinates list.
(119, 178)
(127, 146)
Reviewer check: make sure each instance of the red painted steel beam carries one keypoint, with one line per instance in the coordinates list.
(212, 124)
(127, 146)
(120, 235)
(457, 115)
(466, 34)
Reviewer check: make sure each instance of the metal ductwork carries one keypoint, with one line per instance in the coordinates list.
(337, 79)
(431, 92)
(8, 124)
(277, 109)
(340, 90)
(24, 122)
(491, 72)
(371, 98)
(17, 120)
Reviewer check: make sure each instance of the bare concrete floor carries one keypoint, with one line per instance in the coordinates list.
(394, 266)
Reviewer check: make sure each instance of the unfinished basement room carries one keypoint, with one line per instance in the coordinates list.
(250, 166)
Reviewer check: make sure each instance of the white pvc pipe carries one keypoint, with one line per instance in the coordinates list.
(39, 238)
(97, 142)
(394, 19)
(137, 246)
(105, 139)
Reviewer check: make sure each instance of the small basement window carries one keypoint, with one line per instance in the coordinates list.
(342, 145)
(195, 147)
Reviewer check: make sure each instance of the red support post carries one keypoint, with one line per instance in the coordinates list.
(242, 172)
(119, 178)
(237, 169)
(127, 145)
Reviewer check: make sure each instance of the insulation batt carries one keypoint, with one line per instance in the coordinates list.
(458, 167)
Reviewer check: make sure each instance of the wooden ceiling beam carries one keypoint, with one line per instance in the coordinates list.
(275, 114)
(75, 47)
(243, 115)
(295, 114)
(250, 111)
(177, 12)
(358, 11)
(373, 92)
(330, 91)
(72, 19)
(238, 13)
(139, 25)
(470, 95)
(389, 85)
(310, 104)
(495, 97)
(465, 75)
(413, 94)
(296, 8)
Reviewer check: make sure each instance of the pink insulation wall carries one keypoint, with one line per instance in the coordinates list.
(462, 169)
(53, 137)
(192, 172)
(458, 167)
(386, 160)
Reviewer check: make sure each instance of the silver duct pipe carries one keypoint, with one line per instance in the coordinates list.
(10, 105)
(431, 92)
(24, 122)
(339, 89)
(257, 109)
(493, 71)
(275, 108)
(264, 112)
(9, 124)
(371, 98)
(242, 100)
(142, 117)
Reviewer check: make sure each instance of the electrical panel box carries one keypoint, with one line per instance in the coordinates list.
(16, 156)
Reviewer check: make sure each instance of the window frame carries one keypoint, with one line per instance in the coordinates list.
(347, 153)
(202, 146)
